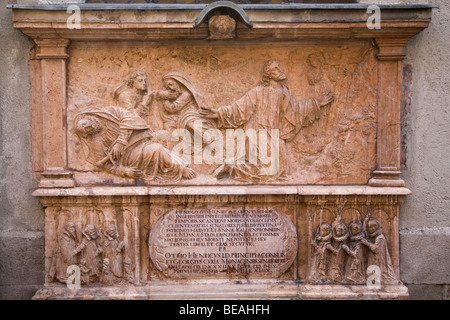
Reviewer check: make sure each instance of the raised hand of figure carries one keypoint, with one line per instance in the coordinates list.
(167, 95)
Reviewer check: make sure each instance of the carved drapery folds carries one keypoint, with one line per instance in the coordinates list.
(349, 237)
(103, 244)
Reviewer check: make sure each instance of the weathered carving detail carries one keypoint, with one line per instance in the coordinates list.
(271, 106)
(182, 103)
(342, 257)
(134, 94)
(222, 27)
(65, 253)
(101, 256)
(113, 251)
(118, 140)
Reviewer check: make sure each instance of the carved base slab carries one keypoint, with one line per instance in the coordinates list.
(310, 243)
(224, 290)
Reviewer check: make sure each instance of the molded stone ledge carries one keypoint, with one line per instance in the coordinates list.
(176, 21)
(221, 190)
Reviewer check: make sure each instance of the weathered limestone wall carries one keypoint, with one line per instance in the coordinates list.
(424, 216)
(21, 215)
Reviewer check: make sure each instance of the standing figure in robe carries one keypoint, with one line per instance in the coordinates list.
(379, 253)
(337, 254)
(320, 256)
(271, 106)
(91, 252)
(113, 250)
(355, 271)
(65, 253)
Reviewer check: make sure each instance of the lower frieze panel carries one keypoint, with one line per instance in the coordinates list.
(291, 246)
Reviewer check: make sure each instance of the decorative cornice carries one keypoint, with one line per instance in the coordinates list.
(154, 22)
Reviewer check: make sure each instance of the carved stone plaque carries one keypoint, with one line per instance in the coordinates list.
(223, 243)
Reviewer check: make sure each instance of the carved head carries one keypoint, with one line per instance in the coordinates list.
(87, 125)
(71, 229)
(355, 227)
(172, 85)
(340, 229)
(139, 80)
(373, 226)
(112, 231)
(128, 265)
(324, 229)
(90, 231)
(105, 263)
(272, 70)
(315, 60)
(222, 27)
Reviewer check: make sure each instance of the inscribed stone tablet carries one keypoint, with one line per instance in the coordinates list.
(223, 243)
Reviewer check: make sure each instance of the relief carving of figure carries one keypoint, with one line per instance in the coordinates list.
(378, 254)
(128, 268)
(134, 94)
(84, 272)
(119, 141)
(320, 258)
(354, 268)
(181, 105)
(337, 253)
(65, 253)
(270, 105)
(113, 251)
(107, 277)
(317, 79)
(91, 252)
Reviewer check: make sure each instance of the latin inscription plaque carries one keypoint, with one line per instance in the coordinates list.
(224, 243)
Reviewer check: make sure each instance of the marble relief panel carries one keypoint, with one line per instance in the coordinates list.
(164, 114)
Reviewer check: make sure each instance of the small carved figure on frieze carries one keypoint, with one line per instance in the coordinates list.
(378, 254)
(91, 252)
(355, 271)
(84, 272)
(128, 268)
(113, 250)
(65, 253)
(107, 277)
(337, 253)
(320, 256)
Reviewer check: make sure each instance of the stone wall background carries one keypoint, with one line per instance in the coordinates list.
(424, 217)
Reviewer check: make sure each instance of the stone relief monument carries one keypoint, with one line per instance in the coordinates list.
(229, 155)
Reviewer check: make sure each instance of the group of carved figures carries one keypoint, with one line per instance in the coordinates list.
(117, 139)
(100, 260)
(342, 254)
